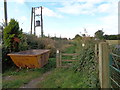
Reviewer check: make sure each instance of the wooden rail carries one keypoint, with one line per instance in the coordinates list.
(69, 60)
(59, 58)
(69, 54)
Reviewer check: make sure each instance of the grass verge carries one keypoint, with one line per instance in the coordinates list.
(18, 78)
(67, 78)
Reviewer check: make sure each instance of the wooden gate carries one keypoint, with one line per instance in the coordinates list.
(61, 61)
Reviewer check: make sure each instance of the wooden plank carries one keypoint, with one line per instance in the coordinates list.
(69, 54)
(69, 60)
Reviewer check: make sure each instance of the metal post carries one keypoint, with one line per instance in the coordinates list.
(5, 11)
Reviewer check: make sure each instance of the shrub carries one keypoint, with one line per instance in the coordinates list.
(41, 43)
(87, 63)
(34, 42)
(23, 45)
(12, 35)
(13, 41)
(50, 44)
(6, 60)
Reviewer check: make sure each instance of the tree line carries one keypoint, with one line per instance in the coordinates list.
(99, 35)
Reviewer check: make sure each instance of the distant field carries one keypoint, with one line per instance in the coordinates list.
(113, 41)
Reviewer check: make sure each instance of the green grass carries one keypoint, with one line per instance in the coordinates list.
(70, 49)
(20, 79)
(25, 75)
(67, 78)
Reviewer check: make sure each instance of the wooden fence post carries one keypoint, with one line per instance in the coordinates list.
(57, 58)
(104, 65)
(60, 57)
(96, 50)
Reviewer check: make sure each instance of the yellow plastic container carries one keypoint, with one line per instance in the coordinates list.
(30, 58)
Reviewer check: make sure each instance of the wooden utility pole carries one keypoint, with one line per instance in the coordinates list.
(31, 19)
(37, 24)
(41, 23)
(34, 22)
(5, 11)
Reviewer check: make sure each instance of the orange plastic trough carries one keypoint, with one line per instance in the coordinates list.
(30, 58)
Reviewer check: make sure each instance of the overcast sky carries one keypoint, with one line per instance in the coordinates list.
(66, 17)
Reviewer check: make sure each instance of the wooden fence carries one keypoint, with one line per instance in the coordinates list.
(60, 60)
(109, 67)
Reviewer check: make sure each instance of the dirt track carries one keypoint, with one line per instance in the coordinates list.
(34, 82)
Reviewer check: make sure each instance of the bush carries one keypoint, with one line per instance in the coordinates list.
(86, 58)
(23, 45)
(87, 63)
(12, 36)
(13, 41)
(41, 43)
(34, 42)
(50, 44)
(6, 60)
